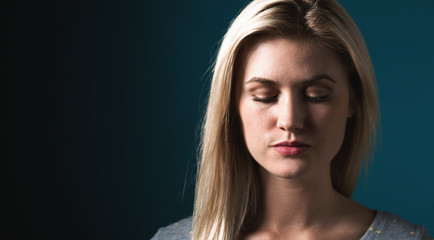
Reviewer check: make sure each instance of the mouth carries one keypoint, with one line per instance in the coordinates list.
(291, 148)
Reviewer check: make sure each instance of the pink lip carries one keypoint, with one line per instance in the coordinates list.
(291, 148)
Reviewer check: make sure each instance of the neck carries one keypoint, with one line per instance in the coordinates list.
(298, 204)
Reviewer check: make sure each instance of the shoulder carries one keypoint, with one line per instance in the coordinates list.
(390, 226)
(178, 231)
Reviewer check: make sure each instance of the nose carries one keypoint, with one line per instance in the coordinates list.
(291, 114)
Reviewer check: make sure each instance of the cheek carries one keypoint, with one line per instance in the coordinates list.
(249, 120)
(330, 124)
(329, 118)
(334, 113)
(256, 123)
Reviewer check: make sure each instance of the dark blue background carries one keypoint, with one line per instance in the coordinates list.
(103, 100)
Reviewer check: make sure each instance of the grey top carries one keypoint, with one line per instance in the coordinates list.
(386, 226)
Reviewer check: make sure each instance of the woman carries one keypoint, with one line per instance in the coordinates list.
(291, 117)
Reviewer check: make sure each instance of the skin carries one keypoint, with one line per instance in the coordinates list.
(294, 90)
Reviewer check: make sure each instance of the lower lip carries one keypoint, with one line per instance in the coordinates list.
(291, 151)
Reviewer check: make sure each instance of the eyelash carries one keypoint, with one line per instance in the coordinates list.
(274, 98)
(265, 100)
(317, 99)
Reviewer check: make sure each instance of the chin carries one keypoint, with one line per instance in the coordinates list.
(289, 169)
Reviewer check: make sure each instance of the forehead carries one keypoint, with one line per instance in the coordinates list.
(283, 59)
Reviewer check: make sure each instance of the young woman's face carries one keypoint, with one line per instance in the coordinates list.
(294, 101)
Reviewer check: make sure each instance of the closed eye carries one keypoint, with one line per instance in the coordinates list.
(316, 93)
(265, 99)
(317, 99)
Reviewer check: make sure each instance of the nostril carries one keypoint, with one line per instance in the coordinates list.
(291, 122)
(291, 112)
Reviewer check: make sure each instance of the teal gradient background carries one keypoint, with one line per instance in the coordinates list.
(103, 102)
(399, 38)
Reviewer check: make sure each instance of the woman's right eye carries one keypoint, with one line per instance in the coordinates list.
(265, 99)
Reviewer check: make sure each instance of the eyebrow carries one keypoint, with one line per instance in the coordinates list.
(269, 82)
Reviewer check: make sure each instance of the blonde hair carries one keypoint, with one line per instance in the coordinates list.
(227, 186)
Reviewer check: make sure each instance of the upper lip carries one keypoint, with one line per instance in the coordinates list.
(291, 144)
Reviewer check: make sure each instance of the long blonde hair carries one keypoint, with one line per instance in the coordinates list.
(227, 187)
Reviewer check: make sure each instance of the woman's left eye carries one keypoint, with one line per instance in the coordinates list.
(317, 99)
(316, 94)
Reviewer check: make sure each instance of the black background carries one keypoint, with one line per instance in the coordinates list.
(101, 104)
